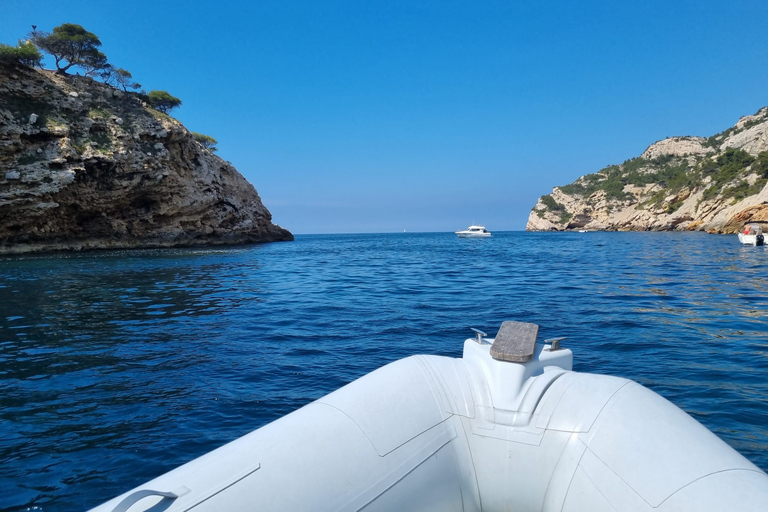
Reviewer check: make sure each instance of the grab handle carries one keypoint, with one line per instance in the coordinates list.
(137, 496)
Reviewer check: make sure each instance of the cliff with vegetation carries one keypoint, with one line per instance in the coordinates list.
(85, 165)
(681, 183)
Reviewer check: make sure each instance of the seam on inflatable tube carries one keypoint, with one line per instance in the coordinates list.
(707, 476)
(403, 469)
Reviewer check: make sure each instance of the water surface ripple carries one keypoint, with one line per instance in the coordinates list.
(118, 366)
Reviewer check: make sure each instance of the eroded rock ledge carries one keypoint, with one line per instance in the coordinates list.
(86, 166)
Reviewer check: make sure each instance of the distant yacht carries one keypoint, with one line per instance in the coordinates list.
(474, 232)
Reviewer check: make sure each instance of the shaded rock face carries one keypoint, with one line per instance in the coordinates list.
(86, 166)
(681, 183)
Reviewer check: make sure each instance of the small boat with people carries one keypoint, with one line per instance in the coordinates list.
(752, 234)
(507, 426)
(474, 232)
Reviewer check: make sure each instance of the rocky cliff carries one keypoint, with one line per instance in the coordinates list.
(680, 183)
(86, 166)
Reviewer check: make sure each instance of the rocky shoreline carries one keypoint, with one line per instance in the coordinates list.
(84, 165)
(713, 184)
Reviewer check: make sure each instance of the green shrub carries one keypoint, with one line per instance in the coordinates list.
(605, 179)
(574, 189)
(733, 161)
(30, 159)
(726, 168)
(673, 207)
(656, 199)
(717, 139)
(25, 53)
(554, 207)
(551, 204)
(662, 160)
(760, 165)
(743, 189)
(674, 174)
(98, 113)
(633, 166)
(614, 190)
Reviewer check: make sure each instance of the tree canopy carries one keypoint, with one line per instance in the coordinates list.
(119, 77)
(207, 141)
(25, 53)
(71, 45)
(163, 101)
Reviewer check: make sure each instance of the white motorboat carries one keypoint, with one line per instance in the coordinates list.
(752, 234)
(507, 427)
(474, 232)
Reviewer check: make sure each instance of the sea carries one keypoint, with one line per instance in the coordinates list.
(118, 366)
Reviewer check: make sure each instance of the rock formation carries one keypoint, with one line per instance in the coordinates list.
(86, 166)
(681, 183)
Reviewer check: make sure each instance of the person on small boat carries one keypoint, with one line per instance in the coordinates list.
(746, 230)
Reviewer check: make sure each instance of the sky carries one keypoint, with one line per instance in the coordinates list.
(383, 116)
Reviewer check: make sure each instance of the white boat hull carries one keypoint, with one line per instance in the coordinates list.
(462, 234)
(751, 239)
(472, 434)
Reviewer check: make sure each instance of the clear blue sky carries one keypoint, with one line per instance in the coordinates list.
(373, 116)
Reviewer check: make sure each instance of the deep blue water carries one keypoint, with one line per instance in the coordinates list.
(118, 366)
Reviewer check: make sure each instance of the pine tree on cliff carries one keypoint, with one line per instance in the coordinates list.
(118, 77)
(163, 101)
(71, 45)
(206, 141)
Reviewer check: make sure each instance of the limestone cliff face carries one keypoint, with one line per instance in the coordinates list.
(86, 166)
(682, 183)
